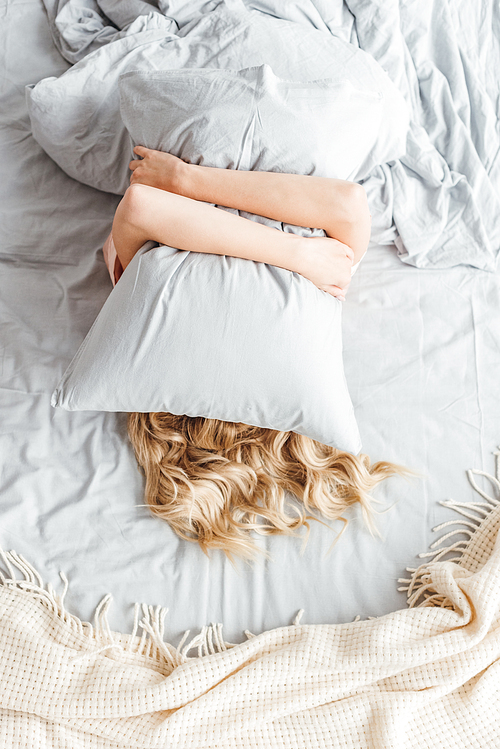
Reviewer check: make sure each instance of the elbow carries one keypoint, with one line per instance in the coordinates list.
(364, 222)
(134, 205)
(359, 219)
(129, 229)
(353, 225)
(350, 201)
(357, 202)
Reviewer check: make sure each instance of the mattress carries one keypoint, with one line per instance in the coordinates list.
(421, 350)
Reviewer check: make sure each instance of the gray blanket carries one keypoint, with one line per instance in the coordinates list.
(439, 202)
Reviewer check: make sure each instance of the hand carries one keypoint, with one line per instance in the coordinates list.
(327, 263)
(157, 169)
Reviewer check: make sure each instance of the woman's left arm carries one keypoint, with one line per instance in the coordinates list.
(338, 206)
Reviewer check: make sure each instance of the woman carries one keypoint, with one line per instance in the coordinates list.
(215, 481)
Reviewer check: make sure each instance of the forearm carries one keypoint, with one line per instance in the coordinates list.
(149, 213)
(168, 218)
(337, 206)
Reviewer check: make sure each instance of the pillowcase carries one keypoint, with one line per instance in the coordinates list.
(76, 117)
(219, 337)
(252, 120)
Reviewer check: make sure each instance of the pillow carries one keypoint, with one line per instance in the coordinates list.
(252, 120)
(76, 117)
(220, 337)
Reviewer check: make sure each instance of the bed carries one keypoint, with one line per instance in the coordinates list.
(421, 356)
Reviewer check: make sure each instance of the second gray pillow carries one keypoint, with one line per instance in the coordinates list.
(252, 120)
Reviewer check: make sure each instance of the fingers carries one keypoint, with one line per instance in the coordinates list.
(335, 295)
(349, 252)
(338, 293)
(140, 151)
(137, 174)
(344, 249)
(343, 276)
(335, 291)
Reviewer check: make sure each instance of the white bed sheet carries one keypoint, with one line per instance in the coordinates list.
(422, 355)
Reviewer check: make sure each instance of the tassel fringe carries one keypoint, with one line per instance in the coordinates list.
(151, 620)
(420, 587)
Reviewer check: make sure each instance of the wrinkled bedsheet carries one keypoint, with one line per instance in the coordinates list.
(421, 351)
(451, 168)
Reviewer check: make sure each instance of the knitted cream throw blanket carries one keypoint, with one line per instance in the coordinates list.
(427, 676)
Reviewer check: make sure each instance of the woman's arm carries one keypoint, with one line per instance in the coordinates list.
(150, 213)
(337, 206)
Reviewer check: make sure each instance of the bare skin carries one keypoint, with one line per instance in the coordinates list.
(167, 202)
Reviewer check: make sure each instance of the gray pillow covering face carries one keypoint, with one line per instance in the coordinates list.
(252, 120)
(216, 336)
(219, 337)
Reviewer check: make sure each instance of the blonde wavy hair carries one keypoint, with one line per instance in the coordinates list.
(215, 481)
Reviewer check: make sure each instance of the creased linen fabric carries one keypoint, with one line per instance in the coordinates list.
(439, 201)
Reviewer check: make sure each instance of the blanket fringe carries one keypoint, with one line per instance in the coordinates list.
(420, 587)
(151, 620)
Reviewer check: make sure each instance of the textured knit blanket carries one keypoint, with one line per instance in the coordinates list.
(426, 676)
